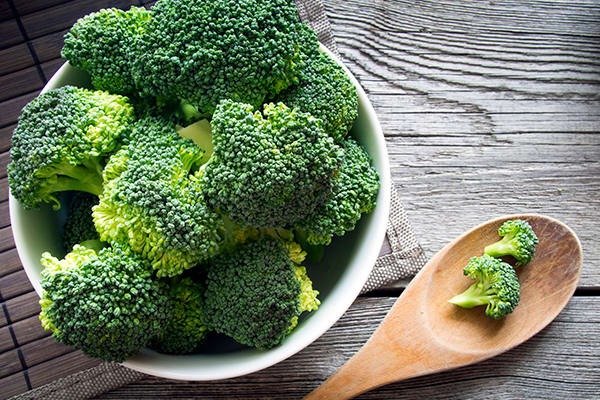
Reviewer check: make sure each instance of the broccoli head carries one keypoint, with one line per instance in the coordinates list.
(324, 91)
(104, 303)
(256, 293)
(184, 329)
(60, 143)
(498, 287)
(202, 52)
(102, 44)
(79, 225)
(354, 192)
(152, 202)
(518, 240)
(268, 169)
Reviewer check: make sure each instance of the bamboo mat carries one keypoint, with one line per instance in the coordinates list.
(31, 36)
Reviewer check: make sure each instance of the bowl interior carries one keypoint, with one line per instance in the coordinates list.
(338, 277)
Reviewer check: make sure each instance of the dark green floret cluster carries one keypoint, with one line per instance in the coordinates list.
(256, 293)
(518, 240)
(106, 304)
(61, 142)
(184, 329)
(102, 44)
(79, 225)
(213, 157)
(498, 285)
(269, 169)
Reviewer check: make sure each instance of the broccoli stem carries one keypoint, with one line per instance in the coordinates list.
(474, 296)
(500, 248)
(200, 133)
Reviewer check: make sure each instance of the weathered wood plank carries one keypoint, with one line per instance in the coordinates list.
(11, 109)
(6, 340)
(10, 34)
(13, 385)
(4, 161)
(6, 239)
(19, 83)
(9, 262)
(65, 15)
(22, 307)
(58, 367)
(14, 285)
(569, 368)
(43, 350)
(3, 189)
(50, 67)
(4, 217)
(5, 11)
(48, 47)
(9, 363)
(15, 58)
(6, 137)
(28, 6)
(29, 330)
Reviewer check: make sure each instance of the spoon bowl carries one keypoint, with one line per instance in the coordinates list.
(423, 333)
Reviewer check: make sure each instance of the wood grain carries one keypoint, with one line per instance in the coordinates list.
(569, 369)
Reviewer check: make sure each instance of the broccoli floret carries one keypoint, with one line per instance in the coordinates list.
(102, 44)
(270, 169)
(184, 329)
(354, 192)
(104, 303)
(256, 293)
(324, 91)
(498, 287)
(518, 240)
(202, 52)
(60, 143)
(152, 202)
(79, 225)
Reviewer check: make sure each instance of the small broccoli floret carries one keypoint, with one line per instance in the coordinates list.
(102, 44)
(256, 293)
(184, 329)
(354, 193)
(104, 303)
(518, 240)
(270, 169)
(498, 287)
(324, 91)
(152, 201)
(79, 225)
(203, 52)
(61, 141)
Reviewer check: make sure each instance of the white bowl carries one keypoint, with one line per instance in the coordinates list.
(339, 277)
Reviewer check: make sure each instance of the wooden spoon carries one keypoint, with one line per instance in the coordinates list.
(423, 333)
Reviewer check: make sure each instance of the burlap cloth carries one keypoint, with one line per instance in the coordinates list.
(405, 259)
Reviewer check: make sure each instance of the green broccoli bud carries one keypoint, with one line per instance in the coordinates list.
(354, 193)
(79, 225)
(324, 91)
(269, 169)
(184, 329)
(60, 143)
(106, 304)
(497, 288)
(203, 52)
(103, 44)
(518, 240)
(256, 293)
(151, 201)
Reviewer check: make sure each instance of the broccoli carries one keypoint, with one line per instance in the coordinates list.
(270, 169)
(324, 91)
(354, 192)
(60, 143)
(498, 287)
(106, 304)
(518, 240)
(152, 201)
(203, 52)
(256, 293)
(184, 329)
(103, 44)
(79, 225)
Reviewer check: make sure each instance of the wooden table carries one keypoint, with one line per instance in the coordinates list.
(489, 108)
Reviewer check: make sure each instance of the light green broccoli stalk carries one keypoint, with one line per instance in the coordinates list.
(518, 240)
(185, 328)
(256, 293)
(497, 287)
(60, 143)
(106, 304)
